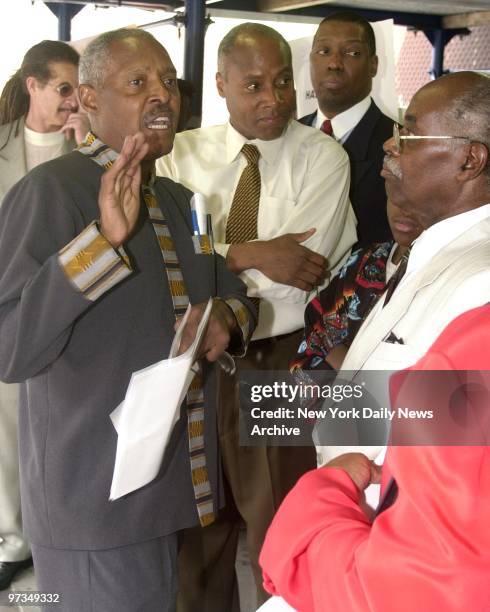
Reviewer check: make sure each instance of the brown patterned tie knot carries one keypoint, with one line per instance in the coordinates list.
(251, 153)
(241, 225)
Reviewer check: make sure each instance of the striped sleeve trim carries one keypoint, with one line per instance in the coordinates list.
(92, 264)
(243, 320)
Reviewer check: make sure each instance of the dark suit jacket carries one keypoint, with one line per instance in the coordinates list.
(367, 192)
(77, 357)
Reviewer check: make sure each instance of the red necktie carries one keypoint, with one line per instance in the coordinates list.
(327, 127)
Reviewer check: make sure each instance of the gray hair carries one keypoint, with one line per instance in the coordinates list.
(94, 61)
(249, 30)
(471, 109)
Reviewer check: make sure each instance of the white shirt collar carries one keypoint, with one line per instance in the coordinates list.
(344, 123)
(269, 149)
(439, 235)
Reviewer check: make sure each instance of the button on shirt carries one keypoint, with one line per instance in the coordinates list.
(304, 184)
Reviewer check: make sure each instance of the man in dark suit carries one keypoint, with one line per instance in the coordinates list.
(343, 62)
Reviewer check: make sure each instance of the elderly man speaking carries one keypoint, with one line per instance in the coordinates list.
(97, 263)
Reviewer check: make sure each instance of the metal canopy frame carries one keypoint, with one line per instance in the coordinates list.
(439, 29)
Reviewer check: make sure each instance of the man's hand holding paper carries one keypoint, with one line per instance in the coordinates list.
(145, 419)
(217, 334)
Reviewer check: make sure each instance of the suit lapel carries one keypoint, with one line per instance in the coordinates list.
(308, 119)
(13, 156)
(357, 144)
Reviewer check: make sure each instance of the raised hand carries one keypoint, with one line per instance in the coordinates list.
(119, 195)
(77, 125)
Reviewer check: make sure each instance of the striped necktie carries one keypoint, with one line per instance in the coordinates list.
(241, 225)
(105, 157)
(195, 395)
(242, 218)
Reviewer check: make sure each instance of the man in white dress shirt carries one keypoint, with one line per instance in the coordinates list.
(304, 224)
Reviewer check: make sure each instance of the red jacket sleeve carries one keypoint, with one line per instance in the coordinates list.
(429, 551)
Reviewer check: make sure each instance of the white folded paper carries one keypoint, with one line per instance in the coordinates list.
(146, 417)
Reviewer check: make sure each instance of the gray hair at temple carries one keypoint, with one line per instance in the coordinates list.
(472, 108)
(95, 59)
(244, 31)
(469, 112)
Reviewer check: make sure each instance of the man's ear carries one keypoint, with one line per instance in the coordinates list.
(31, 85)
(220, 81)
(475, 163)
(374, 66)
(88, 99)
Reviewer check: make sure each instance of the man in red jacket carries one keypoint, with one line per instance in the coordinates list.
(429, 549)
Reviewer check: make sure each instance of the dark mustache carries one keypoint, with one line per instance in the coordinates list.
(159, 110)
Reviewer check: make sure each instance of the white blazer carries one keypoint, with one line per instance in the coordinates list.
(454, 281)
(457, 279)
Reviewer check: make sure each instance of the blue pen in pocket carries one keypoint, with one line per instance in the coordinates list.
(202, 228)
(202, 237)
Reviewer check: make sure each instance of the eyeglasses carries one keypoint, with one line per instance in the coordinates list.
(397, 137)
(65, 90)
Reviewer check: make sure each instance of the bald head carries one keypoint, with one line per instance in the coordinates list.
(444, 170)
(246, 35)
(464, 99)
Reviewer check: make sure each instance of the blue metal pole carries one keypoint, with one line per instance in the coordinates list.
(195, 31)
(439, 38)
(65, 12)
(438, 44)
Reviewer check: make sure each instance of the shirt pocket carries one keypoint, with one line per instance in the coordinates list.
(274, 213)
(391, 356)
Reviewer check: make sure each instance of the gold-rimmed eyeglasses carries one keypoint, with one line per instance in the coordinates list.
(398, 138)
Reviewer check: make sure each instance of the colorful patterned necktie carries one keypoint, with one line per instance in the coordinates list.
(326, 127)
(105, 157)
(396, 278)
